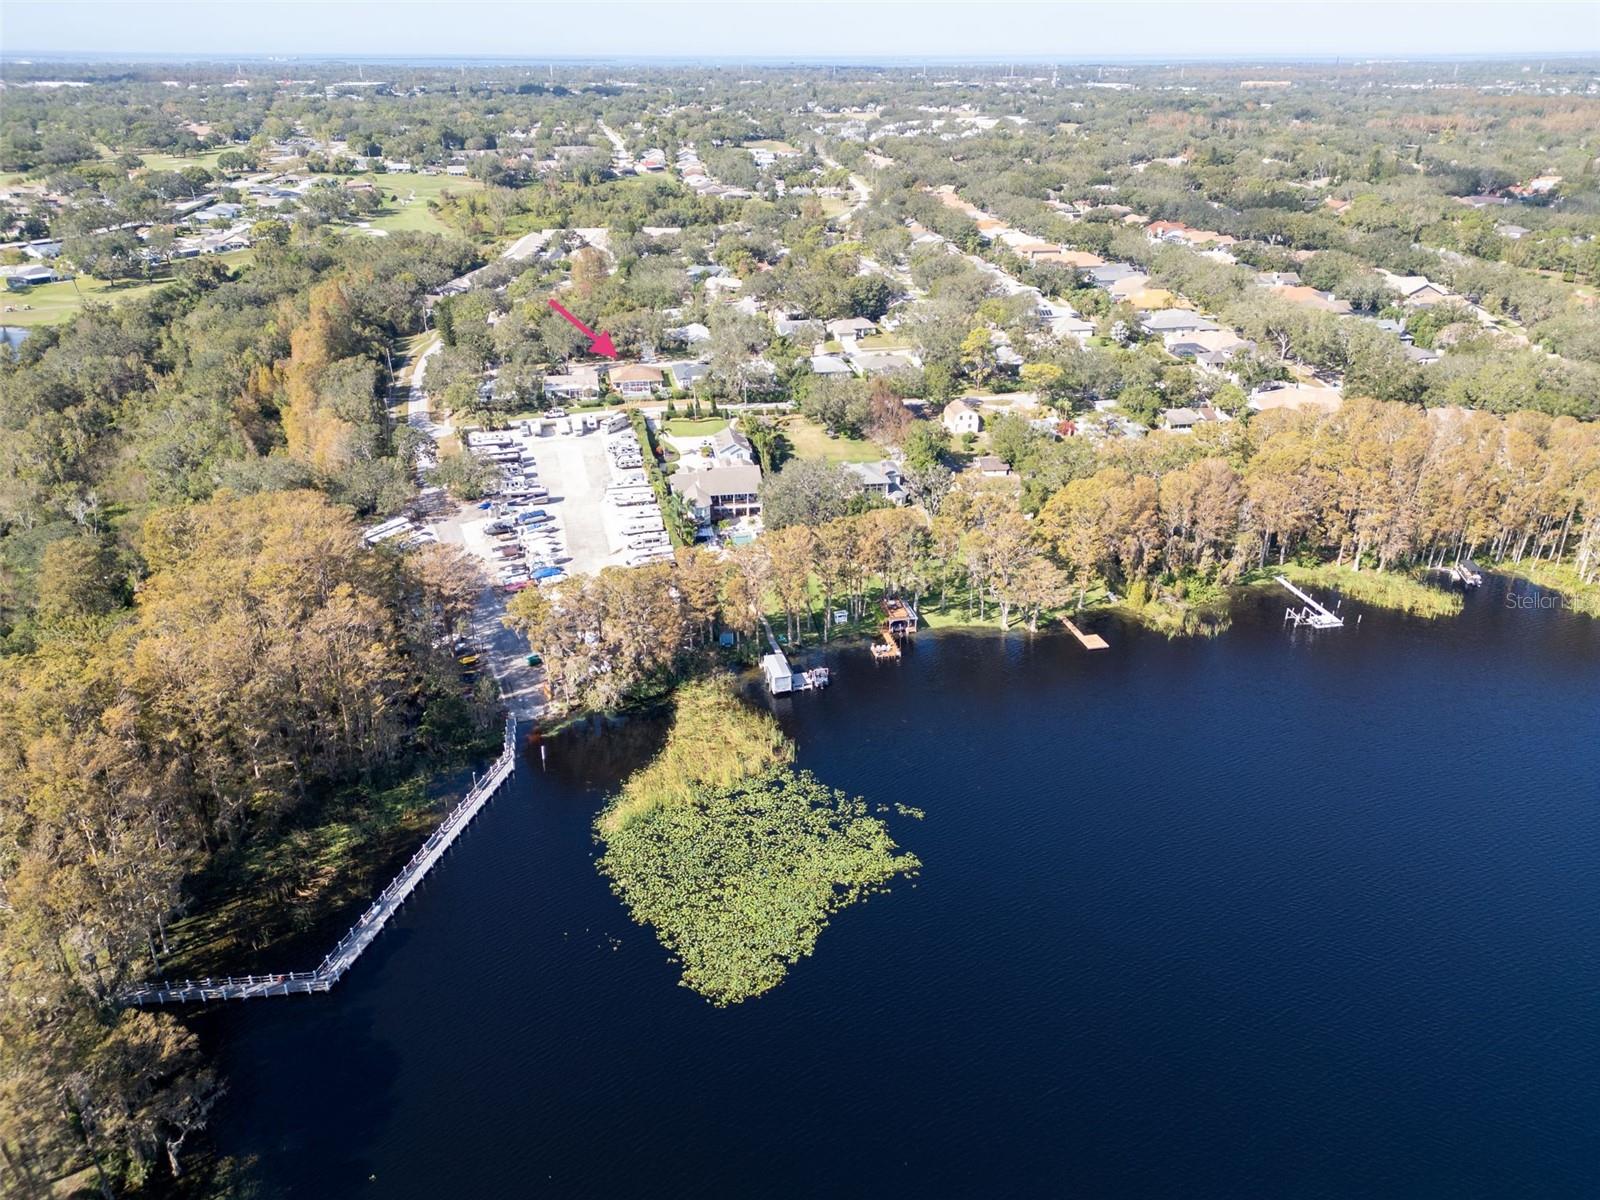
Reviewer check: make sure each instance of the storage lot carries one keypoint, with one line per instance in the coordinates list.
(576, 469)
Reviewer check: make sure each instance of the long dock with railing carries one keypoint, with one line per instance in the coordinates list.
(367, 927)
(1313, 614)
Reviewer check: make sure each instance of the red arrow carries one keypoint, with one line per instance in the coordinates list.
(599, 343)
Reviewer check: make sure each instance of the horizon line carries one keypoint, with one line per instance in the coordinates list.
(1394, 57)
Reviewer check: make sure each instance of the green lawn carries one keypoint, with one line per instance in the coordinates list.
(883, 341)
(406, 196)
(810, 440)
(769, 144)
(154, 161)
(51, 303)
(690, 427)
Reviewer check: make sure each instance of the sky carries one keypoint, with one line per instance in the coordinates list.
(824, 29)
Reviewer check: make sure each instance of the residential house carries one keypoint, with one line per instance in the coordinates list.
(686, 374)
(1074, 327)
(991, 466)
(1277, 279)
(690, 334)
(19, 279)
(225, 241)
(719, 493)
(1184, 420)
(1207, 348)
(581, 383)
(1128, 286)
(790, 326)
(830, 364)
(219, 212)
(1415, 290)
(961, 417)
(1309, 297)
(881, 479)
(1174, 320)
(1397, 328)
(635, 381)
(1295, 395)
(851, 327)
(885, 362)
(730, 448)
(1106, 274)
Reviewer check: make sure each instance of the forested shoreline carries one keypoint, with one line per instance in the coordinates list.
(1376, 486)
(201, 656)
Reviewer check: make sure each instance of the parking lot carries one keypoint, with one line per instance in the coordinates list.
(573, 500)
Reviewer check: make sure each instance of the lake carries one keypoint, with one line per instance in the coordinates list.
(1278, 913)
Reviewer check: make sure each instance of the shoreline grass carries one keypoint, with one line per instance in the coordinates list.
(1396, 591)
(715, 743)
(1561, 578)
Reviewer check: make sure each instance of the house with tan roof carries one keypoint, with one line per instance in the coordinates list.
(1309, 297)
(1149, 298)
(1128, 285)
(851, 327)
(636, 381)
(1080, 260)
(581, 383)
(719, 493)
(1295, 395)
(1416, 291)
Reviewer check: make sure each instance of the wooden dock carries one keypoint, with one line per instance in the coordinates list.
(1313, 614)
(367, 927)
(887, 648)
(1089, 641)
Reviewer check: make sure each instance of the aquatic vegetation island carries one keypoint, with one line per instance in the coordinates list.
(733, 856)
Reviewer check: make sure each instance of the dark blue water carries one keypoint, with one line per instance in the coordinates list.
(1268, 915)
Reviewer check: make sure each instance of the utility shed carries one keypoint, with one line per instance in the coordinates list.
(779, 678)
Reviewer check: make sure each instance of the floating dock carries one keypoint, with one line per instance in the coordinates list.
(1089, 641)
(1313, 614)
